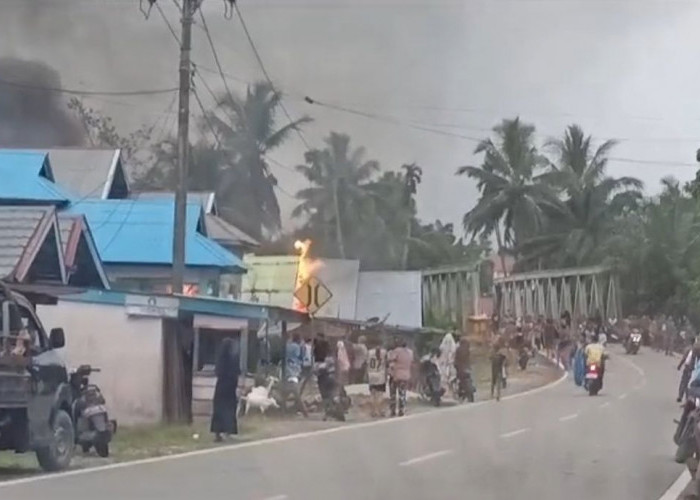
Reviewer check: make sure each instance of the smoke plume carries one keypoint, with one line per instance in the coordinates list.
(30, 114)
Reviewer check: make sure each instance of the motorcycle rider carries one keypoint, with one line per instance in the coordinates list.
(687, 363)
(595, 355)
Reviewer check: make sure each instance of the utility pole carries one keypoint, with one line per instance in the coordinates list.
(183, 145)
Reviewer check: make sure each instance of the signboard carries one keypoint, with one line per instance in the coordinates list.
(313, 294)
(153, 305)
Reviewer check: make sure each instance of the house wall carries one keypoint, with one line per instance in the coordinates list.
(128, 350)
(158, 278)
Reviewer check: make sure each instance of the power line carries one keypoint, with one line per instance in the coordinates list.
(266, 74)
(167, 23)
(216, 55)
(206, 118)
(389, 119)
(88, 92)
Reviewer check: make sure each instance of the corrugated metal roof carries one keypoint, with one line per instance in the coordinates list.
(393, 293)
(205, 198)
(27, 177)
(80, 249)
(141, 232)
(17, 225)
(84, 172)
(227, 234)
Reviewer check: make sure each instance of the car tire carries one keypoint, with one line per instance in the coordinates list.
(58, 455)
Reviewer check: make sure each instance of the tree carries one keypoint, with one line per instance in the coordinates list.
(100, 131)
(338, 195)
(248, 127)
(413, 175)
(512, 194)
(576, 229)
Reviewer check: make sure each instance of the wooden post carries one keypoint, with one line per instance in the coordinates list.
(284, 366)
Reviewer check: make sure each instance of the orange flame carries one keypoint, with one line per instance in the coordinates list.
(305, 269)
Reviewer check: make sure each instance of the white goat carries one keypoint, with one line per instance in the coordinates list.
(259, 397)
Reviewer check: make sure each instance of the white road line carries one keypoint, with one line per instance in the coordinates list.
(277, 497)
(515, 433)
(622, 396)
(605, 405)
(568, 417)
(675, 489)
(425, 458)
(268, 441)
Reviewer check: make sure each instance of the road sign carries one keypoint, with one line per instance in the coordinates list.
(313, 294)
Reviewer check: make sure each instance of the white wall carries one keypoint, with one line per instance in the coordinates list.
(128, 349)
(396, 293)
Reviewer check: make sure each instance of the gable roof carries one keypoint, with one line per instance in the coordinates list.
(141, 232)
(227, 234)
(27, 178)
(206, 198)
(218, 229)
(83, 264)
(30, 245)
(96, 173)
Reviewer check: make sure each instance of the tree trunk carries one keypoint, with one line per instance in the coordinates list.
(338, 227)
(404, 253)
(499, 243)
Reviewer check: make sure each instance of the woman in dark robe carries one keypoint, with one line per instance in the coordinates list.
(223, 418)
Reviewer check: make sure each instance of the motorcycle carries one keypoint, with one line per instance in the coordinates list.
(684, 436)
(634, 340)
(431, 381)
(594, 379)
(336, 401)
(463, 387)
(93, 428)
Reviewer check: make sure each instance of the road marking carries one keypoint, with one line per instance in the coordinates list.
(622, 396)
(277, 497)
(568, 417)
(605, 405)
(673, 492)
(515, 433)
(425, 458)
(268, 441)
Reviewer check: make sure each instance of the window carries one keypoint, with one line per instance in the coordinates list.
(208, 342)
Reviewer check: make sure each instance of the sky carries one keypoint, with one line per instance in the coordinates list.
(624, 69)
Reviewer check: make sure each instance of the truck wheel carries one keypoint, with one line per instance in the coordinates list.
(57, 456)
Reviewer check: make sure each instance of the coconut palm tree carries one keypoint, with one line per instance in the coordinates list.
(339, 177)
(512, 194)
(577, 228)
(413, 175)
(248, 127)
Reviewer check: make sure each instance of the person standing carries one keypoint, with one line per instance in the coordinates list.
(342, 363)
(307, 363)
(463, 365)
(400, 360)
(225, 404)
(294, 358)
(376, 377)
(359, 360)
(498, 366)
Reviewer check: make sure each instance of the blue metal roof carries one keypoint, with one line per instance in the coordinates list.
(28, 177)
(141, 232)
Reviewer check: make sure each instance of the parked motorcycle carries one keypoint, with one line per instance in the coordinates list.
(336, 401)
(594, 379)
(632, 343)
(93, 428)
(463, 387)
(430, 381)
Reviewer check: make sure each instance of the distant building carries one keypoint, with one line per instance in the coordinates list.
(132, 237)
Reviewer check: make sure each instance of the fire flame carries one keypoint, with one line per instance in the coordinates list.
(305, 269)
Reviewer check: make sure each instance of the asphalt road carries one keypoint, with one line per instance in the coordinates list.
(546, 445)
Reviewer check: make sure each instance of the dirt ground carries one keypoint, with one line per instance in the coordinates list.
(149, 441)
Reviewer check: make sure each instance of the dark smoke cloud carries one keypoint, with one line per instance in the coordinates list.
(29, 115)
